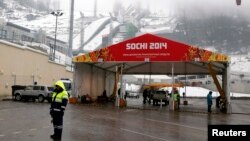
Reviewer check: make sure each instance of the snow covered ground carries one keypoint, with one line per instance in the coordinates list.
(47, 23)
(91, 46)
(190, 91)
(202, 92)
(89, 30)
(240, 63)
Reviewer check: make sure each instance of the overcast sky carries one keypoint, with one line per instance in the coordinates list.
(107, 5)
(189, 7)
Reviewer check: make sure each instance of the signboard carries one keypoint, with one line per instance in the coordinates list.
(150, 48)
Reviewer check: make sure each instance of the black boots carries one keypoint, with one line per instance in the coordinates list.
(57, 135)
(55, 138)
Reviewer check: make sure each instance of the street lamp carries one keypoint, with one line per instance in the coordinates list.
(57, 14)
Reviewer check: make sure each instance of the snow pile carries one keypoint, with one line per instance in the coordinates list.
(201, 92)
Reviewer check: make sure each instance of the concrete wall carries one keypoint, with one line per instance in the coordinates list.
(22, 66)
(91, 80)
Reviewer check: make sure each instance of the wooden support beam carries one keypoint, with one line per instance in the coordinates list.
(218, 86)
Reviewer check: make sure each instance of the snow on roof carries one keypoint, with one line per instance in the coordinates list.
(157, 29)
(88, 31)
(93, 44)
(153, 76)
(158, 24)
(47, 23)
(240, 63)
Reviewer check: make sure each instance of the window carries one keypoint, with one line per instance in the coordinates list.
(42, 88)
(67, 86)
(191, 77)
(29, 88)
(51, 89)
(3, 34)
(182, 78)
(201, 76)
(36, 88)
(208, 82)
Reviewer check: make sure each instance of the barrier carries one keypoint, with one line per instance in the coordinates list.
(123, 103)
(73, 100)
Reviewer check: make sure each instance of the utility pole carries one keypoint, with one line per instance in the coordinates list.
(82, 31)
(111, 30)
(95, 8)
(71, 27)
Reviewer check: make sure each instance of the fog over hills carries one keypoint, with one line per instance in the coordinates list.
(221, 25)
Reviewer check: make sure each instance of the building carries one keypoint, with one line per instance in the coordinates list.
(23, 36)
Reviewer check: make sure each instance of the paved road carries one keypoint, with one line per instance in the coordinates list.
(31, 122)
(239, 106)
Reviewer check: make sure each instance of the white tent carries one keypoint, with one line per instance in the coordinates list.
(147, 54)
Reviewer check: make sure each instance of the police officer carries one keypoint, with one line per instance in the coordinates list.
(58, 105)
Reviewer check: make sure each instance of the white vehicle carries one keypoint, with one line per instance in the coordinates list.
(34, 92)
(68, 84)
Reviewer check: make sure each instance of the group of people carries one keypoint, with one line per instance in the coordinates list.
(219, 103)
(147, 96)
(176, 98)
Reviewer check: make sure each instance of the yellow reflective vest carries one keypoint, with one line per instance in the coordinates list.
(59, 100)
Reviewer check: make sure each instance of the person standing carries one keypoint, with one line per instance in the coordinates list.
(119, 92)
(209, 101)
(218, 102)
(126, 95)
(184, 95)
(58, 105)
(176, 99)
(104, 95)
(145, 95)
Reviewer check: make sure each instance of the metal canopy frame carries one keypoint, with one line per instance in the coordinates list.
(185, 60)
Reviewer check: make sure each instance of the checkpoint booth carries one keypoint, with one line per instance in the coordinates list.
(147, 54)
